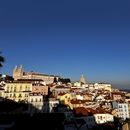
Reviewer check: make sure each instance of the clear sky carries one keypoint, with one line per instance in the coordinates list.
(68, 38)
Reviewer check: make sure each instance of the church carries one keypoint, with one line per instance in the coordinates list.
(19, 73)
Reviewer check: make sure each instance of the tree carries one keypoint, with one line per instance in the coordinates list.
(2, 59)
(55, 80)
(64, 80)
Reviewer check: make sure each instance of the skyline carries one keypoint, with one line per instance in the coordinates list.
(68, 38)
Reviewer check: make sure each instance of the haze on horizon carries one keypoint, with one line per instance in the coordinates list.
(68, 38)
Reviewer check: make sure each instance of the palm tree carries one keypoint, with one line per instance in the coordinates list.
(2, 59)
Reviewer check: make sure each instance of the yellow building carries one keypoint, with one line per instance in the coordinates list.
(65, 98)
(18, 91)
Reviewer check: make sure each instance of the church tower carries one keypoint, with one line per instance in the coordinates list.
(82, 79)
(18, 72)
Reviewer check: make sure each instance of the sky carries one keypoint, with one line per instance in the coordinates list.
(68, 38)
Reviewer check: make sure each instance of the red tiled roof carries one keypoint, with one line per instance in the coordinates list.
(75, 101)
(29, 80)
(82, 111)
(118, 93)
(61, 94)
(1, 88)
(100, 110)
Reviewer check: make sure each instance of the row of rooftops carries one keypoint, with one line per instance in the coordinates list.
(36, 73)
(90, 111)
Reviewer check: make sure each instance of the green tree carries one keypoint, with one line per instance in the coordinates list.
(64, 80)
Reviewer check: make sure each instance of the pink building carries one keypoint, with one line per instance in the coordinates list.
(40, 88)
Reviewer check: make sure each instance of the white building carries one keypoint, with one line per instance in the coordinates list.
(77, 84)
(102, 118)
(123, 111)
(52, 104)
(36, 103)
(103, 86)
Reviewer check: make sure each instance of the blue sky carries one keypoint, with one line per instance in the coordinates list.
(68, 38)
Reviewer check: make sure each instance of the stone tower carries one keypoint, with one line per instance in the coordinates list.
(82, 79)
(18, 72)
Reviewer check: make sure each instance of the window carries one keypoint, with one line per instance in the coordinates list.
(120, 106)
(20, 95)
(11, 89)
(14, 89)
(26, 95)
(26, 89)
(21, 88)
(7, 88)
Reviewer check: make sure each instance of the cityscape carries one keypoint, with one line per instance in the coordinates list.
(77, 105)
(65, 65)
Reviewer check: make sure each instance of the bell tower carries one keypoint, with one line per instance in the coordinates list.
(18, 72)
(82, 79)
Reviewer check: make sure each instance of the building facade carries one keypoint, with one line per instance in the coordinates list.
(39, 88)
(17, 91)
(19, 73)
(36, 103)
(122, 110)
